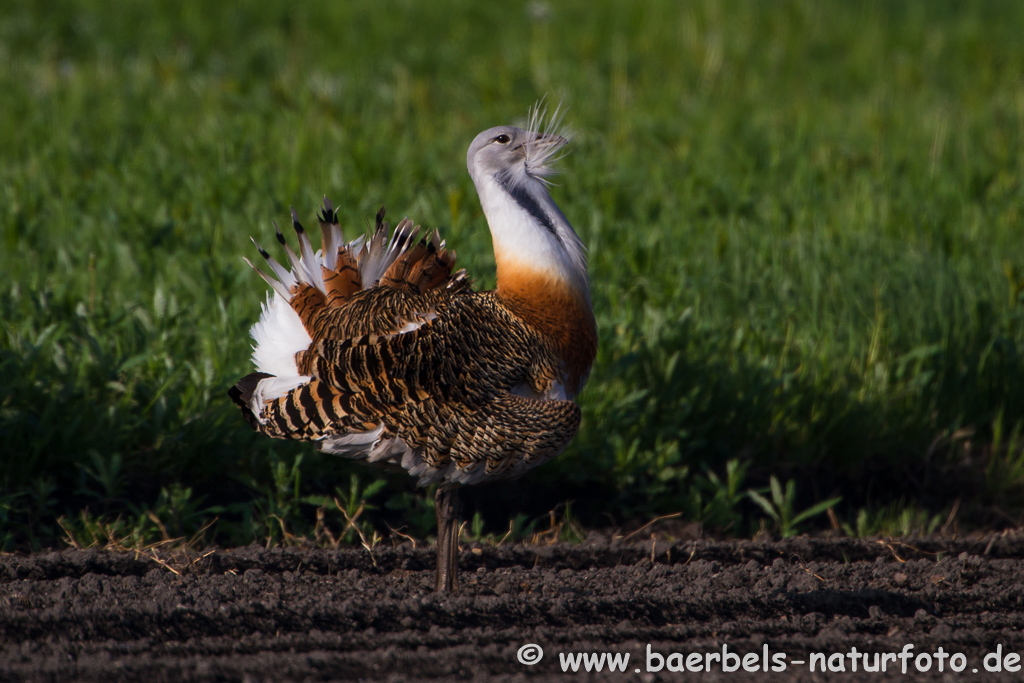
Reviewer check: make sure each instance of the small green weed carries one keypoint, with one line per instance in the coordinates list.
(782, 506)
(896, 519)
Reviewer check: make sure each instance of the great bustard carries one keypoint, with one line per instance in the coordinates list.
(374, 349)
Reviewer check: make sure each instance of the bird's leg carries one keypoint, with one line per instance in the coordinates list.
(448, 508)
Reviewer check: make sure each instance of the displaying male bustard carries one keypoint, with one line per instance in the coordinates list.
(375, 349)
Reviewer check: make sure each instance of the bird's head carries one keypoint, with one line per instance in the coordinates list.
(533, 240)
(515, 156)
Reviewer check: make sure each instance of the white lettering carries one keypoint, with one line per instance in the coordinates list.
(728, 657)
(650, 658)
(852, 654)
(835, 662)
(905, 655)
(998, 656)
(617, 661)
(570, 660)
(594, 661)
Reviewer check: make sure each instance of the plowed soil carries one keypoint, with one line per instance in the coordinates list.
(320, 615)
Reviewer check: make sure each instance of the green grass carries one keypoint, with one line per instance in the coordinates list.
(805, 223)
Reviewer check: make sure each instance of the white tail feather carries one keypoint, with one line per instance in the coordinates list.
(278, 287)
(270, 388)
(352, 445)
(311, 261)
(332, 239)
(282, 273)
(372, 257)
(278, 336)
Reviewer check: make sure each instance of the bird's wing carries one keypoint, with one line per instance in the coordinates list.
(436, 399)
(377, 349)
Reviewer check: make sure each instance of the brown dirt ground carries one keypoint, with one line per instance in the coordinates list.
(320, 615)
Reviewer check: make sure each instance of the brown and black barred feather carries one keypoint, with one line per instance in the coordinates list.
(414, 369)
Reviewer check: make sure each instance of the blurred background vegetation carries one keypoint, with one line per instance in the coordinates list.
(804, 219)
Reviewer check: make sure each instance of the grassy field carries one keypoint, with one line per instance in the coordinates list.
(804, 218)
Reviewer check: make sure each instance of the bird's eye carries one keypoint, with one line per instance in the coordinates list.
(503, 139)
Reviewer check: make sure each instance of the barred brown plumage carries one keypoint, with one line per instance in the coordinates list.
(377, 349)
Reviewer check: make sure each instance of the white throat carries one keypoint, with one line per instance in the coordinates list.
(527, 227)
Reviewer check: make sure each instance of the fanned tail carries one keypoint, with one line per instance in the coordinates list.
(314, 282)
(331, 276)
